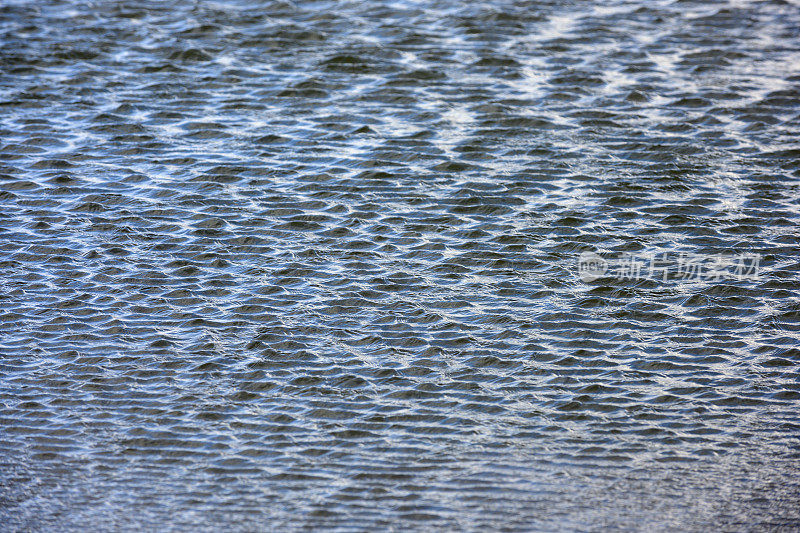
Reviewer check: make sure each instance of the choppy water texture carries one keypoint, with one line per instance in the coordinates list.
(275, 265)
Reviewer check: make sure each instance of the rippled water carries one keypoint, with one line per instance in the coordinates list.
(311, 265)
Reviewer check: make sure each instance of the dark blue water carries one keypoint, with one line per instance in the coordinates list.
(315, 265)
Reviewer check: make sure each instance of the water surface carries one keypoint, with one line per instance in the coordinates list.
(301, 265)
